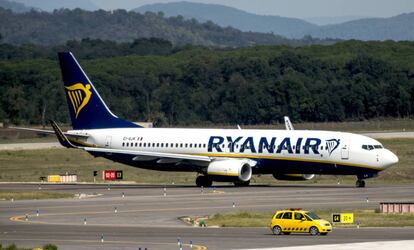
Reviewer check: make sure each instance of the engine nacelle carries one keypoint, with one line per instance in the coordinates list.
(230, 170)
(293, 177)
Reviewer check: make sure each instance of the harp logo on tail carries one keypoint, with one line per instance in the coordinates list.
(332, 144)
(79, 96)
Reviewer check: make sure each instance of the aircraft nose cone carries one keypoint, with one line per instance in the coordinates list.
(390, 159)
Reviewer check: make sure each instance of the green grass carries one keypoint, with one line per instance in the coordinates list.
(29, 165)
(8, 195)
(14, 247)
(366, 218)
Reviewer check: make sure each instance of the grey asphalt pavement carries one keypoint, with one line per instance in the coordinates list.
(144, 217)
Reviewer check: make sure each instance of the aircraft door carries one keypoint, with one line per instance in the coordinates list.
(108, 141)
(345, 149)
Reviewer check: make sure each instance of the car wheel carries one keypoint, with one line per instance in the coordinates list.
(314, 231)
(277, 230)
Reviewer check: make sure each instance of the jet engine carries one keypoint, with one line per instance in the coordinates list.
(230, 170)
(293, 177)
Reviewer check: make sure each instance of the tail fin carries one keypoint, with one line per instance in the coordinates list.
(86, 107)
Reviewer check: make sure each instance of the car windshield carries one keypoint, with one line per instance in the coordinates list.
(312, 215)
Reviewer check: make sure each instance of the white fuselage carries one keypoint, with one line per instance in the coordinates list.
(275, 150)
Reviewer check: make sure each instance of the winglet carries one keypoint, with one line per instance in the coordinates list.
(61, 137)
(288, 124)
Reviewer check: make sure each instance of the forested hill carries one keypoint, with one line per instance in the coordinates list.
(228, 16)
(396, 28)
(346, 81)
(13, 6)
(121, 26)
(400, 27)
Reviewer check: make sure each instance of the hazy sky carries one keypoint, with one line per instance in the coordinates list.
(293, 8)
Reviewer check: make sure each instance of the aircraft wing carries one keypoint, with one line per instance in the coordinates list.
(150, 156)
(49, 132)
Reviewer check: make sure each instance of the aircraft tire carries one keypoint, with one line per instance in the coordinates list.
(203, 181)
(360, 183)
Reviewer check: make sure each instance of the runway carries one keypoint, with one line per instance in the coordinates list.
(146, 218)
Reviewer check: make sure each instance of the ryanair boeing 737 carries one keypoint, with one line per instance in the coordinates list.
(229, 155)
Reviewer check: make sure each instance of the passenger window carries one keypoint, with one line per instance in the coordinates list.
(370, 147)
(299, 216)
(123, 144)
(186, 145)
(127, 144)
(172, 145)
(287, 215)
(365, 147)
(204, 145)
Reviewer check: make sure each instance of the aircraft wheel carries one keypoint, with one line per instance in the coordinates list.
(203, 181)
(360, 183)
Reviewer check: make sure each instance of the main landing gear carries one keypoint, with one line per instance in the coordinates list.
(360, 183)
(203, 181)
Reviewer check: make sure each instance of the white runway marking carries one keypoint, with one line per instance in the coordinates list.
(378, 245)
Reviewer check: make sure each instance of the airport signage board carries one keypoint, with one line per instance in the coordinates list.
(346, 218)
(112, 175)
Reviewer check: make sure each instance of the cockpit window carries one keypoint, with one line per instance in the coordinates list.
(371, 147)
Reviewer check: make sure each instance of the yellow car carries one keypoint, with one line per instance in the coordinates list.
(299, 221)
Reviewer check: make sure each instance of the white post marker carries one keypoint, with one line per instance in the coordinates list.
(116, 210)
(12, 199)
(191, 244)
(165, 191)
(84, 221)
(109, 187)
(102, 238)
(234, 204)
(367, 200)
(123, 195)
(27, 217)
(37, 212)
(178, 241)
(40, 187)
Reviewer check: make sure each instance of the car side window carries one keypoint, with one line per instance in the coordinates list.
(287, 215)
(279, 215)
(299, 216)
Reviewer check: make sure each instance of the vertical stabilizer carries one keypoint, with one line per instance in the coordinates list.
(86, 107)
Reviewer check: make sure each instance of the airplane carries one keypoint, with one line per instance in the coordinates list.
(218, 155)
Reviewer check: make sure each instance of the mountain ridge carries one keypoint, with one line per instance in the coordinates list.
(399, 27)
